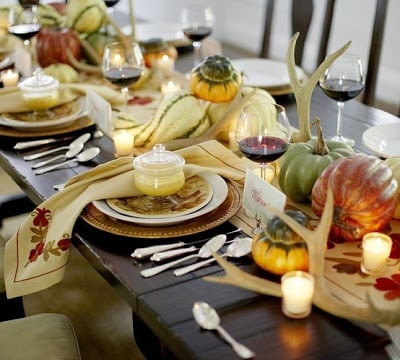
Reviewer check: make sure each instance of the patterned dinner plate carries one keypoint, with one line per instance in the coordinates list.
(57, 116)
(219, 193)
(229, 207)
(195, 194)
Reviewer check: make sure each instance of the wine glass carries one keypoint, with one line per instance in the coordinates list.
(110, 7)
(263, 137)
(25, 26)
(197, 23)
(123, 65)
(343, 81)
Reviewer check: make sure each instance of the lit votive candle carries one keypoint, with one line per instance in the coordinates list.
(123, 143)
(297, 294)
(166, 65)
(376, 249)
(9, 77)
(169, 87)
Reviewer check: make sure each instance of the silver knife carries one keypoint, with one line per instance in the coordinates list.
(33, 143)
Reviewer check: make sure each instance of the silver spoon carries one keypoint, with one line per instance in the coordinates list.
(80, 140)
(208, 319)
(73, 151)
(211, 246)
(86, 155)
(240, 247)
(143, 252)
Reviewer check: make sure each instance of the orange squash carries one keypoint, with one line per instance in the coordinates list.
(278, 249)
(364, 192)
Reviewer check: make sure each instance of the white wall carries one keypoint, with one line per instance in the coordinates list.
(241, 21)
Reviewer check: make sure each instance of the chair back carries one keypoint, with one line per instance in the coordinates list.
(301, 16)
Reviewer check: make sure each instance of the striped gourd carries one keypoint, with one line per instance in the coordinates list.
(179, 115)
(85, 16)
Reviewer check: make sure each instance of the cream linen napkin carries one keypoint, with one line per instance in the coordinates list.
(37, 255)
(11, 99)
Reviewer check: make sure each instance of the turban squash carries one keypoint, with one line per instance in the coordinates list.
(278, 249)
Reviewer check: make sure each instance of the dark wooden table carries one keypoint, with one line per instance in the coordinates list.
(162, 304)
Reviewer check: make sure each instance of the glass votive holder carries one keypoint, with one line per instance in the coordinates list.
(124, 143)
(9, 77)
(169, 86)
(297, 294)
(376, 248)
(166, 65)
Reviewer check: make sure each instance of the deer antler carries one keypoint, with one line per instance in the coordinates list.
(303, 90)
(316, 243)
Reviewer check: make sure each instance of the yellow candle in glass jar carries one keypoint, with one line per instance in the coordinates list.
(376, 248)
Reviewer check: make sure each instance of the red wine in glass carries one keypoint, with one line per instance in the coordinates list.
(197, 23)
(343, 81)
(263, 149)
(124, 76)
(341, 90)
(197, 33)
(24, 31)
(111, 3)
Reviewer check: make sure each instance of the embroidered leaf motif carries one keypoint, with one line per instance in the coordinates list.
(390, 285)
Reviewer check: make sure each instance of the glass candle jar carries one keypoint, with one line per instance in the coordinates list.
(159, 172)
(40, 92)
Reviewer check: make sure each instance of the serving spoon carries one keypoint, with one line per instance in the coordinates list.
(86, 155)
(240, 247)
(73, 151)
(208, 319)
(211, 246)
(81, 140)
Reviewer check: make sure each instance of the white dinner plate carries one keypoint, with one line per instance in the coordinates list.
(220, 192)
(166, 31)
(78, 111)
(383, 140)
(265, 73)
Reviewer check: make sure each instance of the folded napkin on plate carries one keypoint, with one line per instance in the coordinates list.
(37, 255)
(11, 99)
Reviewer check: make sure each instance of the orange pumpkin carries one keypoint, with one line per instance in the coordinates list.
(364, 191)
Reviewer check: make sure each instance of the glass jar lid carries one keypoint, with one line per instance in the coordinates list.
(159, 161)
(39, 83)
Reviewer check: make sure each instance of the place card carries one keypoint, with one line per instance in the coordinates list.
(258, 194)
(99, 110)
(23, 60)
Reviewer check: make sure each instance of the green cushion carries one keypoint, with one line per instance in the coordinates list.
(42, 336)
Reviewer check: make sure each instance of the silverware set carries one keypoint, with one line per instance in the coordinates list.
(239, 246)
(74, 152)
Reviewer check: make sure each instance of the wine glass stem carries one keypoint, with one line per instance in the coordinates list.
(125, 92)
(197, 52)
(340, 105)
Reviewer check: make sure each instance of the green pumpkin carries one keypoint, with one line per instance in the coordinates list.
(303, 163)
(278, 249)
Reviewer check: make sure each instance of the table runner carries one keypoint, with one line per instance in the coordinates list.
(342, 265)
(37, 254)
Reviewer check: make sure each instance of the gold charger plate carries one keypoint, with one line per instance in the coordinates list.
(195, 194)
(223, 213)
(76, 125)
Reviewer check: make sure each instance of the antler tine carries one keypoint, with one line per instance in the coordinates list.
(303, 90)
